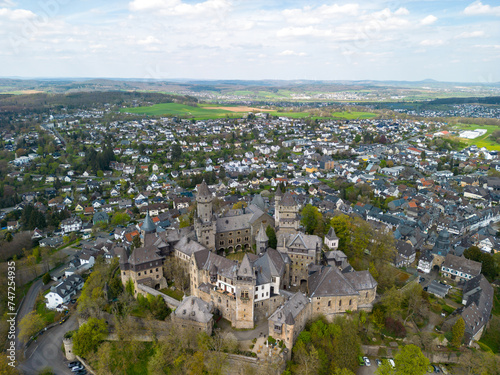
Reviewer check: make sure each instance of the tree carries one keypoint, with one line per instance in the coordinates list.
(342, 226)
(120, 218)
(136, 242)
(458, 332)
(46, 278)
(312, 220)
(411, 361)
(88, 337)
(5, 368)
(271, 234)
(422, 155)
(29, 325)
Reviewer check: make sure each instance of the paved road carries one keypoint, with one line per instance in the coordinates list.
(28, 305)
(46, 351)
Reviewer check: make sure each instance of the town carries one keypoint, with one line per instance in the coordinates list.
(253, 237)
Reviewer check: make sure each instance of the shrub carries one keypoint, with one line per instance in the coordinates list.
(395, 327)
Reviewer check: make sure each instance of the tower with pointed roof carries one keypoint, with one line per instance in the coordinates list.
(204, 224)
(261, 241)
(148, 227)
(245, 294)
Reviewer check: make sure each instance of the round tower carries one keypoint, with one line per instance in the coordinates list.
(204, 200)
(68, 348)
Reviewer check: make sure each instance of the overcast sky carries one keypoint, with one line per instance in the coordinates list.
(450, 40)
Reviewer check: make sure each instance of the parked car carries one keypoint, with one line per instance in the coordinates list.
(378, 362)
(361, 362)
(74, 363)
(77, 368)
(391, 362)
(367, 361)
(436, 368)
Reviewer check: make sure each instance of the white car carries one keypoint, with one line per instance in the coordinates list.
(77, 368)
(391, 362)
(367, 361)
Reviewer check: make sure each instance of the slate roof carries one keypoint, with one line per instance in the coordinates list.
(259, 202)
(225, 267)
(194, 308)
(462, 264)
(261, 236)
(269, 265)
(288, 200)
(148, 225)
(203, 190)
(328, 281)
(287, 313)
(68, 286)
(188, 247)
(331, 234)
(361, 280)
(477, 292)
(143, 255)
(438, 289)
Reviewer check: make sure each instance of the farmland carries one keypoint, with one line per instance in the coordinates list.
(210, 111)
(482, 141)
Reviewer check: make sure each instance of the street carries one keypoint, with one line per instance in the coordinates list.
(46, 351)
(27, 306)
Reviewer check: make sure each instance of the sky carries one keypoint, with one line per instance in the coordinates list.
(452, 40)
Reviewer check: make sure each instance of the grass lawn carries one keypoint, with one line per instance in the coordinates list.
(483, 141)
(236, 256)
(47, 315)
(176, 294)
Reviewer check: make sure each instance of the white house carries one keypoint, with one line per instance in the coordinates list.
(73, 224)
(62, 292)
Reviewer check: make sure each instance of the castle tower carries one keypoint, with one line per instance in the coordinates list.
(277, 200)
(287, 214)
(68, 348)
(205, 225)
(245, 294)
(261, 241)
(148, 227)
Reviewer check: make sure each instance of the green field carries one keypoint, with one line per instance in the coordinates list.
(354, 115)
(483, 141)
(201, 112)
(182, 110)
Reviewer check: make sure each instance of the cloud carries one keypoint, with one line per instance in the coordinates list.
(471, 34)
(309, 15)
(478, 8)
(289, 52)
(432, 42)
(303, 31)
(402, 12)
(149, 40)
(16, 14)
(429, 20)
(178, 7)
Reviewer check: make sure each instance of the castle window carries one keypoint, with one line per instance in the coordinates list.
(139, 274)
(246, 239)
(157, 270)
(340, 303)
(230, 241)
(238, 240)
(150, 271)
(350, 302)
(221, 243)
(239, 232)
(244, 294)
(329, 303)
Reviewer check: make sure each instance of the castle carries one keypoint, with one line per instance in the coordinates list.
(260, 286)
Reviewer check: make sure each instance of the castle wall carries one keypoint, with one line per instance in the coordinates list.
(331, 306)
